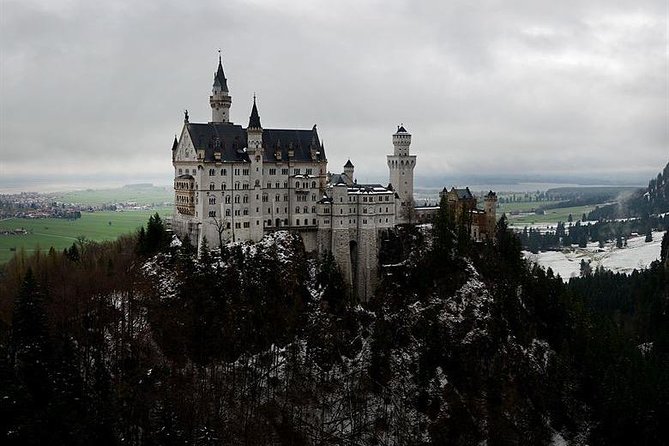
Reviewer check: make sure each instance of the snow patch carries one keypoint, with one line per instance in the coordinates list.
(638, 254)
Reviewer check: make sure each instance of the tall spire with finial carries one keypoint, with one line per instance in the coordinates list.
(220, 99)
(254, 133)
(254, 119)
(219, 75)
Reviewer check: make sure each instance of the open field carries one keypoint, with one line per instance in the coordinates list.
(551, 215)
(61, 233)
(522, 206)
(142, 195)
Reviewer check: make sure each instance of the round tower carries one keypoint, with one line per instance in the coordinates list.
(401, 141)
(401, 165)
(220, 99)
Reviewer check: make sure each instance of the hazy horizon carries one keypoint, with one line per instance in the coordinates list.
(508, 183)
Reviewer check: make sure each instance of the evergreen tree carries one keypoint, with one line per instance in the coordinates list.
(30, 349)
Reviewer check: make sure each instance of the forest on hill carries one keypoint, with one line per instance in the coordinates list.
(145, 341)
(652, 200)
(639, 212)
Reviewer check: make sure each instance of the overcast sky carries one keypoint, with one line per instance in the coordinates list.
(98, 89)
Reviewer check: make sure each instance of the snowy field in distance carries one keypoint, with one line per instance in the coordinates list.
(567, 263)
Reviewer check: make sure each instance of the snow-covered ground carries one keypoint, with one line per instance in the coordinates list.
(567, 263)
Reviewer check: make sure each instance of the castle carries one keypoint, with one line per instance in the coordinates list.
(233, 183)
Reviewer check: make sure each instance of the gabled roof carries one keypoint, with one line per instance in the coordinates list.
(463, 194)
(348, 164)
(401, 129)
(219, 77)
(337, 178)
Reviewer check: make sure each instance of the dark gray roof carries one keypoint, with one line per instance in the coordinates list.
(367, 186)
(231, 139)
(219, 77)
(300, 141)
(401, 129)
(337, 178)
(348, 164)
(175, 143)
(463, 194)
(254, 119)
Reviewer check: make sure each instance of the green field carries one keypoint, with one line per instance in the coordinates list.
(142, 195)
(551, 215)
(522, 206)
(61, 233)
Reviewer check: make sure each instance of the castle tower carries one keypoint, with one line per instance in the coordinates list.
(490, 208)
(348, 171)
(220, 100)
(255, 152)
(401, 165)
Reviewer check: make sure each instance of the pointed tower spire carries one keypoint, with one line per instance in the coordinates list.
(254, 119)
(220, 99)
(175, 143)
(219, 76)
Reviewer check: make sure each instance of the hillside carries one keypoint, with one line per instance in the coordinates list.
(140, 341)
(652, 200)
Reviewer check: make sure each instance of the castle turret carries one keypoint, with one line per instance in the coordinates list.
(490, 201)
(401, 165)
(255, 153)
(220, 100)
(348, 171)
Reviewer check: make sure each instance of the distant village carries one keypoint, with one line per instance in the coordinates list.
(34, 205)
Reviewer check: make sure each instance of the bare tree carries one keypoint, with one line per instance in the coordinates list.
(219, 224)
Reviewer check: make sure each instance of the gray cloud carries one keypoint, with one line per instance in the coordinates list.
(487, 87)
